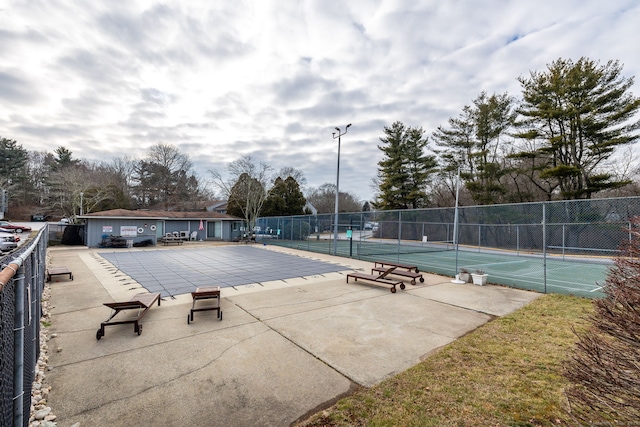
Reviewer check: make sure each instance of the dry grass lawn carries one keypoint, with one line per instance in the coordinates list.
(506, 373)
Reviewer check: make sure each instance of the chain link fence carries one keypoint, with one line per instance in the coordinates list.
(560, 246)
(21, 286)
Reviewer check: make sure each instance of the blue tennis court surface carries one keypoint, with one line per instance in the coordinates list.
(174, 272)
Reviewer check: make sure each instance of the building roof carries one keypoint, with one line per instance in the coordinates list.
(144, 214)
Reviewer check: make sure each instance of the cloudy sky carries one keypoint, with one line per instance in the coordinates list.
(273, 78)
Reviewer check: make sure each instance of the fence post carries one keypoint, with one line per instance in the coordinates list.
(18, 353)
(564, 233)
(399, 228)
(544, 244)
(36, 306)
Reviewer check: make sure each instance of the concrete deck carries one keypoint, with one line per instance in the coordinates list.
(283, 350)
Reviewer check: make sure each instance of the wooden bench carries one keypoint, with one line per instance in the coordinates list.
(381, 278)
(408, 267)
(141, 302)
(404, 273)
(205, 293)
(58, 271)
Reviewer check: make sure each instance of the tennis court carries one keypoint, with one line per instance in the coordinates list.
(563, 246)
(583, 276)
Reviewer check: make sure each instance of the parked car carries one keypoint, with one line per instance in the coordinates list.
(13, 237)
(13, 228)
(7, 245)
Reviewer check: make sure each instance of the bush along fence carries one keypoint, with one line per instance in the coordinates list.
(21, 287)
(561, 246)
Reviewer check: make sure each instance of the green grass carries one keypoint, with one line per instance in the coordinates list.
(506, 373)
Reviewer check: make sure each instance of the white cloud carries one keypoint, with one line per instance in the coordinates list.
(273, 78)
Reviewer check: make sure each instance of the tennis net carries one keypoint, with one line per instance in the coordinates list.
(383, 248)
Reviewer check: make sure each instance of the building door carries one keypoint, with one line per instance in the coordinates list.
(159, 229)
(214, 230)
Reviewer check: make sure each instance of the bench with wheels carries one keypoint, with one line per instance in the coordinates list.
(380, 278)
(202, 294)
(141, 302)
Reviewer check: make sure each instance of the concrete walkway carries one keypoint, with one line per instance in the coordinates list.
(283, 350)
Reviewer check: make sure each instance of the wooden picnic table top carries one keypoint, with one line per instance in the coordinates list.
(396, 264)
(407, 273)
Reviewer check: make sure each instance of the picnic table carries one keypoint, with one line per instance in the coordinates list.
(404, 273)
(408, 267)
(169, 240)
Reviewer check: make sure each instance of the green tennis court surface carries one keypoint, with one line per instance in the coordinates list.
(583, 276)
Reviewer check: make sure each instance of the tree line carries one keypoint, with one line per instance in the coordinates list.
(56, 184)
(556, 142)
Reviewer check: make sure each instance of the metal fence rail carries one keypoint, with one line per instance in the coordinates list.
(532, 238)
(21, 286)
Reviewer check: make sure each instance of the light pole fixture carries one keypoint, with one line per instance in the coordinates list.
(337, 134)
(81, 209)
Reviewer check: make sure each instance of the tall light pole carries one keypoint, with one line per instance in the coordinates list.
(335, 222)
(456, 218)
(81, 210)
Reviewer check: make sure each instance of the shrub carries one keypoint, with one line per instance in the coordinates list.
(604, 369)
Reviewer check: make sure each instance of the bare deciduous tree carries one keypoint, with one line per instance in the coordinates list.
(323, 199)
(247, 187)
(294, 173)
(165, 178)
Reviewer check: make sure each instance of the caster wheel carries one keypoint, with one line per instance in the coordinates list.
(393, 290)
(402, 286)
(139, 331)
(422, 280)
(188, 319)
(220, 315)
(98, 335)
